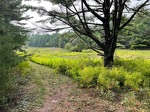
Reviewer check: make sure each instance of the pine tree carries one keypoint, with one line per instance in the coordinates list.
(12, 37)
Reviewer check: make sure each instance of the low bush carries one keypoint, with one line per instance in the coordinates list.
(126, 73)
(128, 80)
(112, 78)
(60, 65)
(138, 71)
(10, 83)
(134, 80)
(88, 76)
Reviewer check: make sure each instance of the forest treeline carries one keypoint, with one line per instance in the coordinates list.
(66, 40)
(135, 36)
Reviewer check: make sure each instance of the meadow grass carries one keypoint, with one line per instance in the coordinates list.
(141, 54)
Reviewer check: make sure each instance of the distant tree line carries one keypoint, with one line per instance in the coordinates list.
(67, 40)
(38, 40)
(135, 36)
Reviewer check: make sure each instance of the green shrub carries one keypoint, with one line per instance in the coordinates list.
(88, 76)
(127, 72)
(134, 80)
(23, 67)
(73, 67)
(105, 79)
(112, 78)
(60, 65)
(68, 46)
(127, 64)
(10, 84)
(138, 72)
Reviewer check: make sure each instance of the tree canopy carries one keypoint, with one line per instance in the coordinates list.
(89, 17)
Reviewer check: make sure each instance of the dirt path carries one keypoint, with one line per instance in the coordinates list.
(63, 95)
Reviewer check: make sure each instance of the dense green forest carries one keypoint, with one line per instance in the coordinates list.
(136, 33)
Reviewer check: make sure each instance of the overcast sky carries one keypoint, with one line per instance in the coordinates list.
(32, 22)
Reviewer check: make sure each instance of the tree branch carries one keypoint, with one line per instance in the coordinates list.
(132, 16)
(92, 11)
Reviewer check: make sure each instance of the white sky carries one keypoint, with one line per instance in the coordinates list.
(32, 22)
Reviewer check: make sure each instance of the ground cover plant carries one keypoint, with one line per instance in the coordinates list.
(130, 74)
(11, 86)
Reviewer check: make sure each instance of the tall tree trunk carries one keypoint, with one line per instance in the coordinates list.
(110, 47)
(108, 59)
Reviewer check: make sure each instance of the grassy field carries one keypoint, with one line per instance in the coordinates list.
(57, 52)
(129, 78)
(141, 54)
